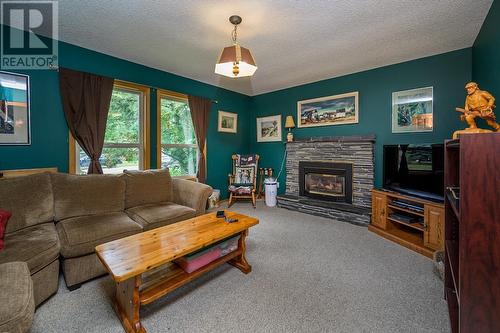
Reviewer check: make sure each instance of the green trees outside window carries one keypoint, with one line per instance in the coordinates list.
(179, 151)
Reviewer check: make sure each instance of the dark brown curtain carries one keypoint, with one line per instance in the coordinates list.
(85, 98)
(200, 111)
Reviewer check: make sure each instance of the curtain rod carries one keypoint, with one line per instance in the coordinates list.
(56, 68)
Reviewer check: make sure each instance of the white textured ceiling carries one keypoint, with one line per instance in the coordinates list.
(293, 42)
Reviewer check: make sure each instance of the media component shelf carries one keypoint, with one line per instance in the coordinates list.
(411, 222)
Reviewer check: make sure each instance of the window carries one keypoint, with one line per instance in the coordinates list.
(177, 141)
(126, 136)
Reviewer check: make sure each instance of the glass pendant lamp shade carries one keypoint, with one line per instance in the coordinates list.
(235, 61)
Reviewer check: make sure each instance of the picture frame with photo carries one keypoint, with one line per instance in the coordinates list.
(330, 110)
(228, 122)
(412, 110)
(269, 129)
(14, 109)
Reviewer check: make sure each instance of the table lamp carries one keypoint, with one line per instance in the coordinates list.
(289, 124)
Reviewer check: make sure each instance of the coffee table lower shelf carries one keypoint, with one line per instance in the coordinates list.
(172, 277)
(148, 287)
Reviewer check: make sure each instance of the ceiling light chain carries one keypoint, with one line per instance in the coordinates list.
(234, 34)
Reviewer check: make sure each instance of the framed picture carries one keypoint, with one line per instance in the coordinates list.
(412, 110)
(269, 129)
(331, 110)
(228, 122)
(14, 109)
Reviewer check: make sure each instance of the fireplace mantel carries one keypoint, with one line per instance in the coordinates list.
(350, 138)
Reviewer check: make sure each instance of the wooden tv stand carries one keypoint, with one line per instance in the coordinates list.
(424, 238)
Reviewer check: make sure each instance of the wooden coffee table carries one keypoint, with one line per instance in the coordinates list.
(142, 268)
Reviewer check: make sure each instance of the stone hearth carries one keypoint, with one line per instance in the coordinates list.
(357, 150)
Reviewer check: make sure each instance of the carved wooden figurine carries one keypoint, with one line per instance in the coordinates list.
(479, 103)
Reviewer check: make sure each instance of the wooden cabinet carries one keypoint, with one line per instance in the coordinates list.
(434, 227)
(379, 216)
(472, 233)
(423, 232)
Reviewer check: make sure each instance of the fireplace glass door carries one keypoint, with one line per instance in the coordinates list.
(324, 184)
(328, 181)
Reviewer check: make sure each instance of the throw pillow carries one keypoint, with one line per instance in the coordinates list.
(4, 217)
(244, 176)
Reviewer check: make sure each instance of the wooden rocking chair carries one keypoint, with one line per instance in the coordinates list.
(243, 180)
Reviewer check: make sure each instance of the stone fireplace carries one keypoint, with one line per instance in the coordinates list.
(328, 181)
(330, 177)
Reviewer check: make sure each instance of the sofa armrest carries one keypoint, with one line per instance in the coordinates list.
(191, 194)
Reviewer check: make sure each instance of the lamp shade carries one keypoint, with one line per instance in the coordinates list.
(235, 61)
(289, 123)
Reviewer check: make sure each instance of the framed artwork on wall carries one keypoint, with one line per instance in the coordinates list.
(228, 122)
(330, 110)
(412, 110)
(14, 109)
(269, 129)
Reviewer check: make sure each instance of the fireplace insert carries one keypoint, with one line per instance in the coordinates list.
(330, 181)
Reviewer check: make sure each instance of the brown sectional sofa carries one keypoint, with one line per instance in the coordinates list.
(31, 235)
(17, 304)
(61, 216)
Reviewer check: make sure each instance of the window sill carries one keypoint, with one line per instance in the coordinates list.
(186, 177)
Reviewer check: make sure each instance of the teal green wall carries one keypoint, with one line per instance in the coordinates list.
(447, 73)
(486, 53)
(49, 144)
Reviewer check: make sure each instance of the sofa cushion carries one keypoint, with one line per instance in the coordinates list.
(79, 195)
(80, 235)
(17, 303)
(147, 187)
(28, 207)
(37, 245)
(157, 215)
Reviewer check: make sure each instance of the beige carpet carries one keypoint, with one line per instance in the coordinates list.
(310, 274)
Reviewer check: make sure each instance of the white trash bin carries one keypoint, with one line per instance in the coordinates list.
(271, 188)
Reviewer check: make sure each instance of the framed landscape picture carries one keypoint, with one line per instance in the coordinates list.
(412, 110)
(330, 110)
(228, 122)
(14, 109)
(269, 129)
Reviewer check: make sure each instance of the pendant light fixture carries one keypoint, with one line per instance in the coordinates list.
(235, 61)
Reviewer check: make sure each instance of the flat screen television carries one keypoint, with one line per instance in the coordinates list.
(415, 169)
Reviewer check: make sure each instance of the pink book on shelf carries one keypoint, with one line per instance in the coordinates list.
(190, 266)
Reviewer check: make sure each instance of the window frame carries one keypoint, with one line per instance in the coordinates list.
(175, 96)
(144, 123)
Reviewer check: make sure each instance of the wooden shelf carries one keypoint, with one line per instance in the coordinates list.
(453, 144)
(452, 254)
(172, 277)
(451, 201)
(452, 309)
(415, 225)
(471, 233)
(408, 236)
(407, 239)
(405, 210)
